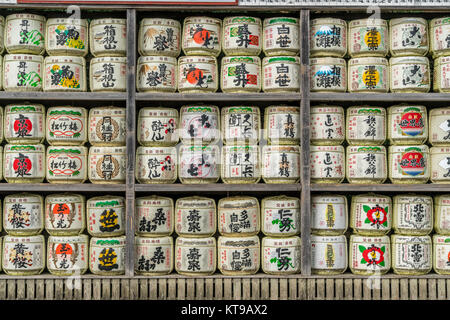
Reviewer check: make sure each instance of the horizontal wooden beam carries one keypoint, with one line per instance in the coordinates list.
(380, 97)
(218, 187)
(346, 187)
(230, 97)
(51, 187)
(63, 96)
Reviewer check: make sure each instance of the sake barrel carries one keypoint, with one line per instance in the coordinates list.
(156, 74)
(154, 256)
(282, 125)
(65, 214)
(328, 37)
(408, 36)
(368, 38)
(328, 75)
(410, 74)
(368, 74)
(329, 214)
(242, 36)
(197, 74)
(24, 123)
(241, 74)
(66, 125)
(407, 124)
(281, 256)
(195, 256)
(156, 164)
(202, 36)
(107, 165)
(24, 33)
(198, 164)
(66, 164)
(442, 214)
(240, 125)
(199, 124)
(106, 216)
(107, 256)
(441, 254)
(23, 214)
(281, 74)
(327, 164)
(67, 255)
(441, 80)
(154, 216)
(238, 255)
(241, 164)
(411, 255)
(328, 254)
(366, 125)
(157, 127)
(280, 36)
(195, 217)
(22, 72)
(440, 164)
(2, 28)
(159, 37)
(366, 164)
(413, 214)
(280, 164)
(371, 214)
(439, 36)
(238, 216)
(67, 37)
(1, 68)
(1, 162)
(65, 74)
(24, 163)
(369, 255)
(23, 255)
(409, 164)
(280, 216)
(108, 37)
(108, 74)
(107, 126)
(327, 125)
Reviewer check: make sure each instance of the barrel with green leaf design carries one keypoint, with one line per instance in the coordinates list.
(25, 33)
(371, 214)
(22, 72)
(66, 125)
(281, 256)
(66, 164)
(369, 255)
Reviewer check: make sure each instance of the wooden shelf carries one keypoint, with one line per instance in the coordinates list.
(380, 97)
(218, 97)
(63, 96)
(218, 188)
(51, 187)
(346, 187)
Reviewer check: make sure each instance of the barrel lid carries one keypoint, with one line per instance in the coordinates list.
(438, 150)
(199, 108)
(66, 197)
(282, 59)
(113, 150)
(17, 196)
(95, 22)
(106, 201)
(108, 59)
(411, 59)
(281, 242)
(195, 202)
(418, 148)
(70, 21)
(252, 241)
(441, 60)
(329, 198)
(279, 20)
(209, 148)
(274, 148)
(237, 202)
(327, 149)
(240, 109)
(241, 59)
(108, 242)
(241, 148)
(403, 107)
(442, 199)
(372, 239)
(157, 59)
(328, 21)
(439, 111)
(141, 150)
(368, 61)
(201, 19)
(159, 111)
(67, 110)
(369, 22)
(366, 109)
(328, 60)
(24, 15)
(30, 148)
(412, 198)
(402, 239)
(197, 59)
(366, 149)
(438, 21)
(402, 20)
(24, 107)
(328, 239)
(23, 57)
(64, 59)
(281, 108)
(27, 239)
(69, 239)
(108, 110)
(322, 108)
(160, 21)
(81, 150)
(441, 239)
(371, 197)
(168, 241)
(275, 200)
(198, 242)
(154, 200)
(240, 19)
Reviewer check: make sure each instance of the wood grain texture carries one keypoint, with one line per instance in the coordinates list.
(413, 292)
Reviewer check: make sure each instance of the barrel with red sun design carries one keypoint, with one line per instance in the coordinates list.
(202, 36)
(24, 163)
(407, 124)
(409, 164)
(64, 214)
(197, 74)
(24, 123)
(67, 255)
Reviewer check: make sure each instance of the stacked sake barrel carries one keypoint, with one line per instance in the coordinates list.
(439, 49)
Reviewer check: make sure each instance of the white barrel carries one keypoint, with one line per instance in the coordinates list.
(281, 256)
(281, 36)
(107, 126)
(23, 255)
(409, 164)
(441, 81)
(366, 125)
(66, 164)
(159, 36)
(156, 74)
(197, 74)
(242, 35)
(442, 214)
(107, 165)
(22, 72)
(67, 37)
(197, 164)
(154, 256)
(156, 164)
(281, 74)
(407, 124)
(369, 255)
(328, 254)
(195, 256)
(328, 75)
(195, 217)
(327, 164)
(439, 127)
(67, 255)
(24, 123)
(65, 214)
(238, 255)
(1, 162)
(241, 74)
(105, 216)
(413, 214)
(107, 256)
(280, 216)
(280, 164)
(154, 216)
(441, 254)
(366, 164)
(23, 214)
(327, 125)
(241, 164)
(24, 163)
(408, 36)
(157, 127)
(371, 214)
(108, 74)
(328, 37)
(368, 38)
(65, 74)
(24, 33)
(199, 124)
(282, 125)
(410, 74)
(66, 125)
(439, 35)
(238, 216)
(108, 37)
(240, 125)
(411, 255)
(440, 164)
(329, 214)
(368, 75)
(202, 36)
